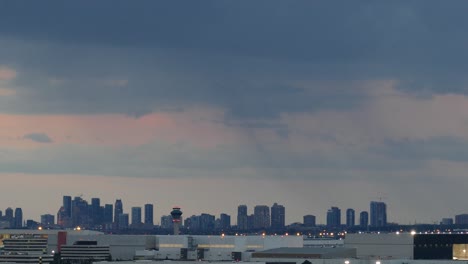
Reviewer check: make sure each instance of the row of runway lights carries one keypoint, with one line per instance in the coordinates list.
(347, 262)
(331, 234)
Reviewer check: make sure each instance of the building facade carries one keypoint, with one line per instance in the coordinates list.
(378, 214)
(364, 219)
(242, 217)
(334, 217)
(350, 217)
(278, 216)
(262, 217)
(309, 220)
(149, 214)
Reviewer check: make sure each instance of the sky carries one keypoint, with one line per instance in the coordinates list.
(210, 104)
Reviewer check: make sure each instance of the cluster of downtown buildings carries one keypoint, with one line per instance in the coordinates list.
(77, 212)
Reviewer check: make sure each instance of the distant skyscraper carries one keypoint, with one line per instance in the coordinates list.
(278, 216)
(207, 222)
(47, 220)
(9, 217)
(378, 214)
(225, 221)
(136, 215)
(192, 222)
(364, 219)
(447, 221)
(242, 217)
(166, 222)
(67, 206)
(262, 216)
(118, 210)
(108, 213)
(96, 213)
(149, 214)
(461, 219)
(250, 222)
(123, 221)
(80, 212)
(1, 214)
(18, 218)
(309, 220)
(350, 217)
(334, 217)
(9, 213)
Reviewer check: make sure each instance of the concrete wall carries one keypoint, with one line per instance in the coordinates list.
(381, 246)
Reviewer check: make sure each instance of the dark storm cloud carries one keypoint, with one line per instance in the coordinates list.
(314, 30)
(38, 137)
(240, 56)
(89, 80)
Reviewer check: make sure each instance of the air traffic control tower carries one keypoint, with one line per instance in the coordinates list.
(176, 219)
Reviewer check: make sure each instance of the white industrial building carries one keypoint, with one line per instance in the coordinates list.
(150, 247)
(381, 246)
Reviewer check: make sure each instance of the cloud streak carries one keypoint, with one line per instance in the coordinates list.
(38, 137)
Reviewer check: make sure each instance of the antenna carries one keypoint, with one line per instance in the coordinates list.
(380, 197)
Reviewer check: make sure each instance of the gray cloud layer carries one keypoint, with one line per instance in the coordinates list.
(38, 137)
(119, 56)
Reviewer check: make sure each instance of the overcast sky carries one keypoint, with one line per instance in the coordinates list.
(212, 104)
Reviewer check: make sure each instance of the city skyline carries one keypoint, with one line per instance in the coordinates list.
(208, 105)
(265, 216)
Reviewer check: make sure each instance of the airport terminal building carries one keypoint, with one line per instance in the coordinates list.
(30, 246)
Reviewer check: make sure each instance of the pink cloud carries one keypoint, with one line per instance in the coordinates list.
(390, 114)
(7, 92)
(6, 73)
(118, 130)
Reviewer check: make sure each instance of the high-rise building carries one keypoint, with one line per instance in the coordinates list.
(166, 222)
(242, 217)
(136, 215)
(67, 206)
(108, 213)
(123, 221)
(118, 210)
(192, 222)
(149, 214)
(447, 221)
(364, 219)
(278, 216)
(334, 217)
(378, 214)
(309, 220)
(207, 222)
(250, 222)
(9, 217)
(62, 219)
(47, 220)
(9, 213)
(225, 221)
(18, 218)
(1, 214)
(95, 212)
(350, 217)
(461, 219)
(80, 212)
(262, 216)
